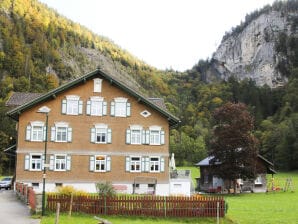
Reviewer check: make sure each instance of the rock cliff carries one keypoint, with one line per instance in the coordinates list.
(251, 53)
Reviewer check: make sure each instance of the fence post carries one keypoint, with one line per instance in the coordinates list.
(57, 213)
(70, 206)
(217, 212)
(105, 203)
(165, 205)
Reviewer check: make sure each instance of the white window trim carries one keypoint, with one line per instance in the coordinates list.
(72, 98)
(61, 125)
(118, 100)
(136, 128)
(65, 160)
(159, 164)
(37, 124)
(97, 85)
(155, 128)
(96, 99)
(105, 163)
(101, 126)
(140, 164)
(30, 161)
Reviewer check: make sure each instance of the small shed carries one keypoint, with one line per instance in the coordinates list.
(212, 183)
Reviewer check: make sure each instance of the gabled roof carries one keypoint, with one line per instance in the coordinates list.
(207, 160)
(153, 102)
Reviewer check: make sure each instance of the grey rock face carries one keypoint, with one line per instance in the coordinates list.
(251, 53)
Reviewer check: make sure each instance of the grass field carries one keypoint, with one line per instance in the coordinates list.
(276, 207)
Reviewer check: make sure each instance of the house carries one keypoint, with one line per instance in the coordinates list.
(93, 129)
(210, 182)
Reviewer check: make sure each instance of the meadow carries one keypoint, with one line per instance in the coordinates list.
(272, 207)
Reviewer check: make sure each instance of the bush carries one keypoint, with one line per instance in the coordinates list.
(105, 188)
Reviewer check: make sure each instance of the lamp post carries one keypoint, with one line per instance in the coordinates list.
(44, 110)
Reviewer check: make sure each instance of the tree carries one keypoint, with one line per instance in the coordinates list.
(234, 147)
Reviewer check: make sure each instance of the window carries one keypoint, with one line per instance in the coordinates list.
(59, 184)
(154, 164)
(72, 105)
(35, 131)
(120, 107)
(33, 162)
(135, 164)
(135, 135)
(157, 136)
(100, 163)
(144, 164)
(61, 132)
(96, 106)
(100, 133)
(97, 85)
(35, 185)
(258, 180)
(60, 162)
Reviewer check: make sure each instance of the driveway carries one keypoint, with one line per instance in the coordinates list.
(13, 211)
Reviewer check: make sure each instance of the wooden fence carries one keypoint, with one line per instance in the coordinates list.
(157, 206)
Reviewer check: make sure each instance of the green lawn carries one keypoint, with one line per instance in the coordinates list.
(249, 208)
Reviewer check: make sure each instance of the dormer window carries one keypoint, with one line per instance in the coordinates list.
(97, 85)
(72, 105)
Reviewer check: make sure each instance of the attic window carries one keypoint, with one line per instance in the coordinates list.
(97, 85)
(145, 113)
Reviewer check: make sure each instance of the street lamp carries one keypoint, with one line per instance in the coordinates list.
(44, 110)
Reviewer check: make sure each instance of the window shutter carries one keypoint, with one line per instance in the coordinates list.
(109, 140)
(162, 137)
(162, 164)
(45, 133)
(104, 108)
(80, 107)
(147, 164)
(143, 164)
(127, 164)
(91, 164)
(112, 108)
(28, 133)
(68, 162)
(63, 106)
(147, 137)
(92, 136)
(128, 109)
(88, 107)
(108, 163)
(69, 134)
(27, 162)
(128, 136)
(143, 137)
(53, 133)
(52, 161)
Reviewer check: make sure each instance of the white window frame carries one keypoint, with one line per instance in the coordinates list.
(106, 162)
(135, 164)
(136, 132)
(36, 161)
(96, 106)
(72, 105)
(258, 180)
(97, 85)
(60, 162)
(120, 107)
(154, 164)
(100, 162)
(156, 135)
(55, 132)
(101, 129)
(34, 125)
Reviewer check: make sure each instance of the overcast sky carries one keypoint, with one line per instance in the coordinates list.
(163, 33)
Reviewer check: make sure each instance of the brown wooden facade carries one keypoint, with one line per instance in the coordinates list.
(79, 150)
